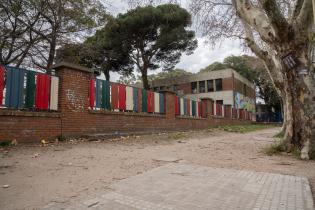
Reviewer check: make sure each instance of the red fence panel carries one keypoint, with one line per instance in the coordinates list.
(176, 105)
(42, 91)
(203, 109)
(92, 93)
(188, 107)
(114, 93)
(199, 109)
(150, 101)
(122, 97)
(1, 83)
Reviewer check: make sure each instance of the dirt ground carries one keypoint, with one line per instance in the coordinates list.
(66, 172)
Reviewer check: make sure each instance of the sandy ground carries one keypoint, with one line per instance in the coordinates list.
(66, 172)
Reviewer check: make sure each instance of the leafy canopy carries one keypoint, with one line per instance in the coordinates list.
(157, 36)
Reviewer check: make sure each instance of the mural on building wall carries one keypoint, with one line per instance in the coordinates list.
(242, 102)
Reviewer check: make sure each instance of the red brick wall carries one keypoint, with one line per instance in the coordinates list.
(75, 118)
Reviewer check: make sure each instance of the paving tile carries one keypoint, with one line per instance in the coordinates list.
(185, 187)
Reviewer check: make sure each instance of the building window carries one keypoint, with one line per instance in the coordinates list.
(210, 85)
(202, 86)
(218, 84)
(219, 102)
(194, 87)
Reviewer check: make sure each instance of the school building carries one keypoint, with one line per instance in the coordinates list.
(224, 87)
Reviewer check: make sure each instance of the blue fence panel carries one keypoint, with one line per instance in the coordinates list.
(162, 103)
(14, 87)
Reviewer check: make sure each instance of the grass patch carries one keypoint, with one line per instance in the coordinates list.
(274, 148)
(176, 136)
(279, 135)
(5, 144)
(244, 128)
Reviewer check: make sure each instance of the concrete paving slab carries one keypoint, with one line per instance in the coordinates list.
(186, 187)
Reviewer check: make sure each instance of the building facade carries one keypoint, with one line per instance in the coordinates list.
(225, 87)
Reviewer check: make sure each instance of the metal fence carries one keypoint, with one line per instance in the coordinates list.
(119, 97)
(26, 89)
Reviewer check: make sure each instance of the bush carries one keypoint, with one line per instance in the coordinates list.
(274, 148)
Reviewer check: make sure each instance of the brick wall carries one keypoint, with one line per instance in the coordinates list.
(75, 118)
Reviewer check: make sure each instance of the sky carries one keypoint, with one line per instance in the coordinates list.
(204, 54)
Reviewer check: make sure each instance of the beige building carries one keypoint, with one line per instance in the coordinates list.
(224, 86)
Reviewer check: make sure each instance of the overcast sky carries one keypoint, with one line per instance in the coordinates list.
(202, 56)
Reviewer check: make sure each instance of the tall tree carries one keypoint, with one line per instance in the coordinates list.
(100, 52)
(157, 36)
(278, 32)
(17, 39)
(43, 25)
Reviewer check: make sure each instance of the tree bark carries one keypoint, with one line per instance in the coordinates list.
(107, 75)
(144, 76)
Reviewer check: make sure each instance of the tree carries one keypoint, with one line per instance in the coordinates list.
(43, 25)
(157, 36)
(169, 74)
(100, 52)
(16, 39)
(278, 33)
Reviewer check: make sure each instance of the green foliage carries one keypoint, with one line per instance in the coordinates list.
(177, 136)
(156, 36)
(244, 128)
(100, 52)
(279, 135)
(61, 138)
(169, 74)
(274, 148)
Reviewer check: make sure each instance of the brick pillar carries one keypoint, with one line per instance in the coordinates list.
(169, 97)
(73, 96)
(209, 103)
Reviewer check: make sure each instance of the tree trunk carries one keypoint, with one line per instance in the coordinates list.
(144, 76)
(299, 102)
(107, 75)
(51, 56)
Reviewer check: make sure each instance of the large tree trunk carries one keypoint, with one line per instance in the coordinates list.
(144, 76)
(299, 102)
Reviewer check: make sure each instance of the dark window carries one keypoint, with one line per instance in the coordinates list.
(210, 85)
(218, 84)
(194, 87)
(219, 102)
(202, 86)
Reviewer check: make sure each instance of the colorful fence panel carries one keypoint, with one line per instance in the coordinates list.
(114, 96)
(30, 89)
(54, 83)
(156, 102)
(129, 98)
(2, 72)
(105, 102)
(135, 99)
(122, 97)
(144, 101)
(162, 106)
(42, 91)
(92, 93)
(176, 105)
(150, 101)
(14, 87)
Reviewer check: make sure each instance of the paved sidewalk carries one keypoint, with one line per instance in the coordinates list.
(190, 187)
